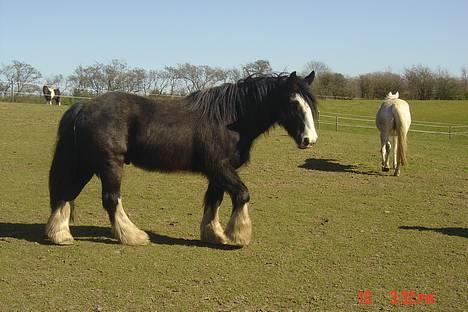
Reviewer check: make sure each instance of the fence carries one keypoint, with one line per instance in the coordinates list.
(337, 120)
(368, 122)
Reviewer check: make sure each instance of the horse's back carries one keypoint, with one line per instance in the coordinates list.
(385, 117)
(162, 136)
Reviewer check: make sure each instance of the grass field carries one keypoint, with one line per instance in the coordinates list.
(326, 225)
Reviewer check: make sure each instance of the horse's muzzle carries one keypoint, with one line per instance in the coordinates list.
(306, 143)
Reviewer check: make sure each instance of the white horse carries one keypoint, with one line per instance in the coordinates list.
(393, 119)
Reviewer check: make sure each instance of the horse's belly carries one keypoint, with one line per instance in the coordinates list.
(162, 157)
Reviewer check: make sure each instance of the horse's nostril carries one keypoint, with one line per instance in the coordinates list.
(305, 141)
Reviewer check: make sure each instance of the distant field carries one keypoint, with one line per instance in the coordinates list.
(455, 112)
(326, 224)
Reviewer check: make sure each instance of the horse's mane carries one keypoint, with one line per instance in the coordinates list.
(230, 101)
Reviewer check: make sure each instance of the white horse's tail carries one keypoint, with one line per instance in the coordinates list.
(401, 131)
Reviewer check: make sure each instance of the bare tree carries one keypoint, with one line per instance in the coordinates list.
(133, 80)
(233, 75)
(317, 66)
(200, 77)
(160, 81)
(259, 67)
(89, 78)
(21, 76)
(171, 74)
(114, 75)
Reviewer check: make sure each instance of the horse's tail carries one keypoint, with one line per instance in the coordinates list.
(64, 169)
(401, 131)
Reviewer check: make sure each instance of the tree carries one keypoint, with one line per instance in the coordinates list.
(334, 84)
(259, 67)
(115, 74)
(171, 74)
(90, 78)
(464, 81)
(446, 87)
(420, 82)
(133, 80)
(200, 77)
(233, 75)
(21, 76)
(377, 85)
(317, 66)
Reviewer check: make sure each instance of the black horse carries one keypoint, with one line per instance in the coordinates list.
(209, 131)
(51, 93)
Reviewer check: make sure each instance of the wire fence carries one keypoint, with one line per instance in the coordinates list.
(340, 121)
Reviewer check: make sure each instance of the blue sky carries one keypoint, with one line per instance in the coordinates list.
(351, 37)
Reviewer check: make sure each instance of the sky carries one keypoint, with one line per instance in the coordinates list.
(351, 37)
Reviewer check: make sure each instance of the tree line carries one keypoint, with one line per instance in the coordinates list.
(416, 82)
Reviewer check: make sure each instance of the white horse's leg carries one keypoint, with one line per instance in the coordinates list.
(396, 158)
(384, 151)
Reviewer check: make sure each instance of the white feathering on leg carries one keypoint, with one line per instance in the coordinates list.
(57, 228)
(124, 229)
(239, 228)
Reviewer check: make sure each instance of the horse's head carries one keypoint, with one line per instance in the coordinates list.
(46, 90)
(298, 109)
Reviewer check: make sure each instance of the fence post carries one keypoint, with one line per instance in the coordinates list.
(318, 120)
(336, 123)
(12, 94)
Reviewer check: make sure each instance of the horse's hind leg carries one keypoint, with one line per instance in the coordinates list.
(211, 230)
(122, 227)
(63, 191)
(57, 228)
(384, 150)
(396, 159)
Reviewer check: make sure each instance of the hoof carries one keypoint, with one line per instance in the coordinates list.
(384, 169)
(61, 238)
(136, 237)
(212, 233)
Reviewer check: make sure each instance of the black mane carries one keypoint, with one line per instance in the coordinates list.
(229, 102)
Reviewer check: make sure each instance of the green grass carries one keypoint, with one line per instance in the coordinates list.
(326, 224)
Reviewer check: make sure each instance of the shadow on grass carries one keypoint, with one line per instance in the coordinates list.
(35, 233)
(451, 231)
(331, 165)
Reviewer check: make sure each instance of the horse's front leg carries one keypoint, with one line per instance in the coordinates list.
(211, 230)
(239, 227)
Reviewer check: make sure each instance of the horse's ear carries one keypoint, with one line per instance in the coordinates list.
(397, 94)
(389, 94)
(310, 78)
(293, 75)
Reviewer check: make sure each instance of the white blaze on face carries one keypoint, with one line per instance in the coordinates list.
(309, 127)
